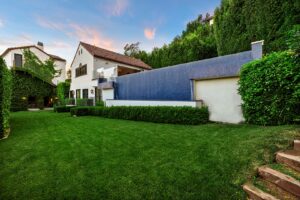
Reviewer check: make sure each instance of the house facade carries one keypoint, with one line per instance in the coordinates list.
(93, 65)
(14, 58)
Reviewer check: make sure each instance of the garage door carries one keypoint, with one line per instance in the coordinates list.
(222, 98)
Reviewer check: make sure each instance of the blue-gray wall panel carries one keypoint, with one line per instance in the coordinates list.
(173, 83)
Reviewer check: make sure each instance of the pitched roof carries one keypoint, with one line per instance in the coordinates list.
(113, 56)
(54, 57)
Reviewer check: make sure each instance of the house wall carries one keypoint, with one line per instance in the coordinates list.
(85, 81)
(90, 81)
(222, 98)
(59, 65)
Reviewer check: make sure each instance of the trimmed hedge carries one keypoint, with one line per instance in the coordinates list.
(270, 89)
(157, 114)
(61, 109)
(5, 98)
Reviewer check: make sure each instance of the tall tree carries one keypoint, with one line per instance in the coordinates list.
(239, 22)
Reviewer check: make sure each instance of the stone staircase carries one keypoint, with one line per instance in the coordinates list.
(280, 180)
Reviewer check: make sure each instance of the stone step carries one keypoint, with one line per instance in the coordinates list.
(256, 194)
(273, 189)
(290, 158)
(297, 145)
(281, 180)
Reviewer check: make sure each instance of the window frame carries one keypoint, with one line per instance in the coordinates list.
(20, 56)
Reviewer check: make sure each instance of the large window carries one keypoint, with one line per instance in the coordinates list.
(78, 94)
(81, 70)
(18, 60)
(85, 93)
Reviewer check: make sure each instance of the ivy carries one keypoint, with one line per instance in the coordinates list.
(26, 85)
(5, 98)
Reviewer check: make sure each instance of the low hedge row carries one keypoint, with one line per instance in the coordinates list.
(158, 114)
(61, 109)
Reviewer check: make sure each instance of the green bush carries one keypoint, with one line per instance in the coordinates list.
(62, 91)
(100, 103)
(5, 98)
(84, 102)
(270, 89)
(158, 114)
(61, 109)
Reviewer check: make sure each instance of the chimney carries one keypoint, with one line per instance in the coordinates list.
(257, 49)
(40, 45)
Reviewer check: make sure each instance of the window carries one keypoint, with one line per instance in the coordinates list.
(85, 93)
(98, 94)
(81, 70)
(72, 94)
(78, 94)
(18, 60)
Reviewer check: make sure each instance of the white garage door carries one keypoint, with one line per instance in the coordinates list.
(222, 98)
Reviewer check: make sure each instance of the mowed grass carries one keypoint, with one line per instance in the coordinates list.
(56, 156)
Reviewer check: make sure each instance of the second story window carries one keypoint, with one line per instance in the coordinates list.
(81, 70)
(18, 60)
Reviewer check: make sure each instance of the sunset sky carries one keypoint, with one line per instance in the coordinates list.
(110, 24)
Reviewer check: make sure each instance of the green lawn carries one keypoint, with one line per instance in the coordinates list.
(55, 156)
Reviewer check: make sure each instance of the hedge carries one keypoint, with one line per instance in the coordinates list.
(5, 98)
(61, 109)
(270, 89)
(158, 114)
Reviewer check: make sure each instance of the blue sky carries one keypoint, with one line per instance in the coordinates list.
(110, 24)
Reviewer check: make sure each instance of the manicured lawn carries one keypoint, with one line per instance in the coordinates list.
(55, 156)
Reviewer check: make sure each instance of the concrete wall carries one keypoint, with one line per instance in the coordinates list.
(107, 94)
(222, 98)
(151, 103)
(174, 83)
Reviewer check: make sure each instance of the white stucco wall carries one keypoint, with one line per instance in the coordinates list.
(90, 81)
(222, 98)
(59, 65)
(109, 103)
(107, 94)
(85, 81)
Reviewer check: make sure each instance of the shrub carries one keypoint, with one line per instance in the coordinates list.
(84, 102)
(158, 114)
(62, 91)
(270, 89)
(100, 103)
(61, 109)
(5, 98)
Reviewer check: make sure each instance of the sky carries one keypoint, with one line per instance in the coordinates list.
(110, 24)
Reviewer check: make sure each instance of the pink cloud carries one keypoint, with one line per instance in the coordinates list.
(90, 35)
(149, 33)
(116, 7)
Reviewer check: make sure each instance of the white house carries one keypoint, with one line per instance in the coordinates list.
(92, 65)
(14, 58)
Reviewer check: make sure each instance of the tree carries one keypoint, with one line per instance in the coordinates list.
(237, 23)
(195, 43)
(132, 49)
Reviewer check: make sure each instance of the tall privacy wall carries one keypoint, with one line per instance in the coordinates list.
(175, 83)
